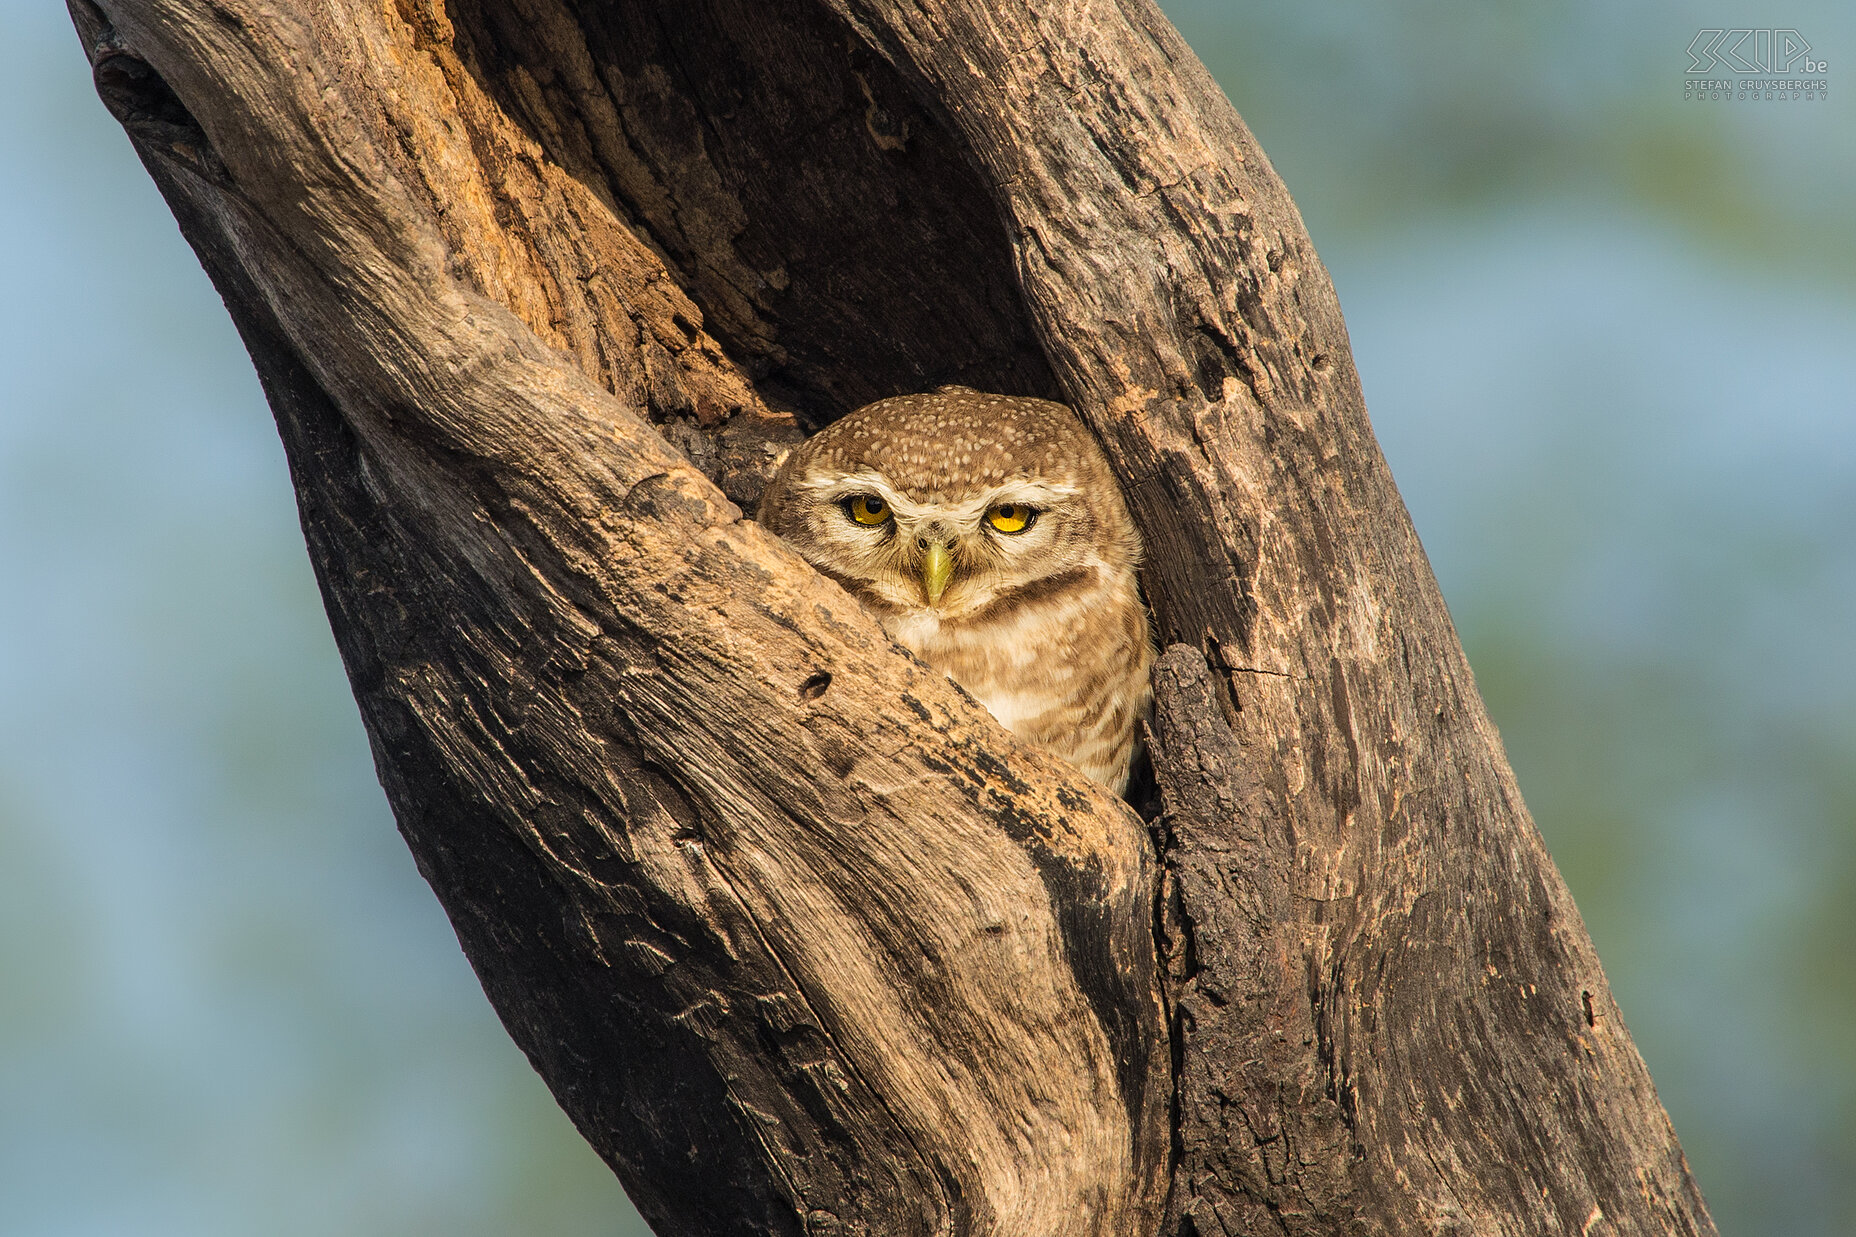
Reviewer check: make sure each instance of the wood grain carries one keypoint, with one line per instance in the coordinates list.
(802, 940)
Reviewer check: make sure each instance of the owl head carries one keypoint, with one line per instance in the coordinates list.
(954, 503)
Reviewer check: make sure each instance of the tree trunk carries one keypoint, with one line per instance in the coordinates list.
(802, 940)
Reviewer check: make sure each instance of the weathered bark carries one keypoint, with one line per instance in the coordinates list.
(800, 938)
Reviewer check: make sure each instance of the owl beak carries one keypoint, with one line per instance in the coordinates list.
(937, 570)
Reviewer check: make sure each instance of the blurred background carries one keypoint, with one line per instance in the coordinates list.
(1608, 336)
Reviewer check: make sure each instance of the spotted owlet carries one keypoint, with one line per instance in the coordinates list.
(987, 534)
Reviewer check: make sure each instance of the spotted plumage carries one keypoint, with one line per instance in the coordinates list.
(987, 533)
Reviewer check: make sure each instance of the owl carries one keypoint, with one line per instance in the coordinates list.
(987, 534)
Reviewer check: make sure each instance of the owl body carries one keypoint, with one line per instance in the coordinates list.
(988, 535)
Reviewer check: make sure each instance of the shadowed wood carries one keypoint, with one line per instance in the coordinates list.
(801, 939)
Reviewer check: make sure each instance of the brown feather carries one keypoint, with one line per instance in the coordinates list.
(1045, 627)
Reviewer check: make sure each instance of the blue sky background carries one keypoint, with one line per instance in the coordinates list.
(1608, 338)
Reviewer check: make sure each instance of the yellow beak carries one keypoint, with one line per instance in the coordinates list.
(937, 570)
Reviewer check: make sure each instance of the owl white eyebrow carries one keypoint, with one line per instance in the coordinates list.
(1029, 493)
(837, 489)
(1025, 493)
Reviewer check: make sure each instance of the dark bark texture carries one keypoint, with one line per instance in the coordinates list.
(800, 938)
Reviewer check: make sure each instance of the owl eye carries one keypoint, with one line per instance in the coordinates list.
(867, 509)
(1012, 517)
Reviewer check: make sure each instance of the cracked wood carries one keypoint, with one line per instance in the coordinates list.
(802, 940)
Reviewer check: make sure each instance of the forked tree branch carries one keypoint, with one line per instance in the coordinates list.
(802, 939)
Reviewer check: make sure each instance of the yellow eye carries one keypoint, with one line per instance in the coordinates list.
(868, 509)
(1011, 517)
